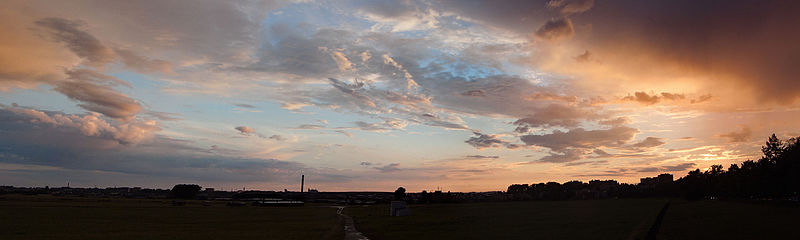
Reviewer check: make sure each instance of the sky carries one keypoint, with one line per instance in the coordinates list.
(455, 95)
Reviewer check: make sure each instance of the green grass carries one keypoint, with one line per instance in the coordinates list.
(729, 220)
(593, 219)
(44, 217)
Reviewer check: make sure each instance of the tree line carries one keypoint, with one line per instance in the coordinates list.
(776, 175)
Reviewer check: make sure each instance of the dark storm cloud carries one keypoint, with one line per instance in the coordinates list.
(732, 42)
(747, 45)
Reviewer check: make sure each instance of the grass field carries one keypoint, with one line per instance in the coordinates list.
(729, 220)
(44, 217)
(597, 219)
(592, 219)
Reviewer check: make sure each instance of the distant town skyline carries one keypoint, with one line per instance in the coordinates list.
(373, 95)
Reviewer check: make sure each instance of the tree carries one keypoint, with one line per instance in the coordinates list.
(400, 193)
(185, 191)
(772, 149)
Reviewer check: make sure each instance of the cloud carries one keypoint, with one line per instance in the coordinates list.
(482, 141)
(93, 89)
(277, 137)
(83, 44)
(245, 130)
(244, 105)
(163, 116)
(649, 142)
(568, 155)
(56, 146)
(399, 16)
(387, 125)
(390, 61)
(153, 28)
(557, 115)
(643, 98)
(556, 30)
(696, 45)
(742, 135)
(580, 138)
(678, 167)
(615, 121)
(702, 98)
(341, 60)
(95, 92)
(451, 122)
(667, 168)
(143, 64)
(647, 99)
(672, 96)
(586, 56)
(474, 93)
(344, 132)
(392, 167)
(571, 6)
(371, 127)
(309, 126)
(92, 124)
(481, 157)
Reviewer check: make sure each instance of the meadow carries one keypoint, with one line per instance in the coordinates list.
(594, 219)
(585, 219)
(730, 220)
(46, 217)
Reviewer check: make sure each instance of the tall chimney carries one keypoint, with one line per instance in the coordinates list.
(302, 182)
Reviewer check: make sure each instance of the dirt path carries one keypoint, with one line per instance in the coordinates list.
(350, 232)
(649, 229)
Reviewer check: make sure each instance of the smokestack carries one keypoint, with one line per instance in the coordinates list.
(302, 182)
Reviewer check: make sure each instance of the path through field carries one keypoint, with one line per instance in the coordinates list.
(350, 232)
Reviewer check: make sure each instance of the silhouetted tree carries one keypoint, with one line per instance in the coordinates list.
(185, 191)
(400, 193)
(776, 175)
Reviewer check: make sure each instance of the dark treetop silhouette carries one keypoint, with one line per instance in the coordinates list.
(776, 175)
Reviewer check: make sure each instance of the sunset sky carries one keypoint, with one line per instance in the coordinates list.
(372, 95)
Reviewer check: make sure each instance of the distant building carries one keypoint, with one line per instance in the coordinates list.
(653, 182)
